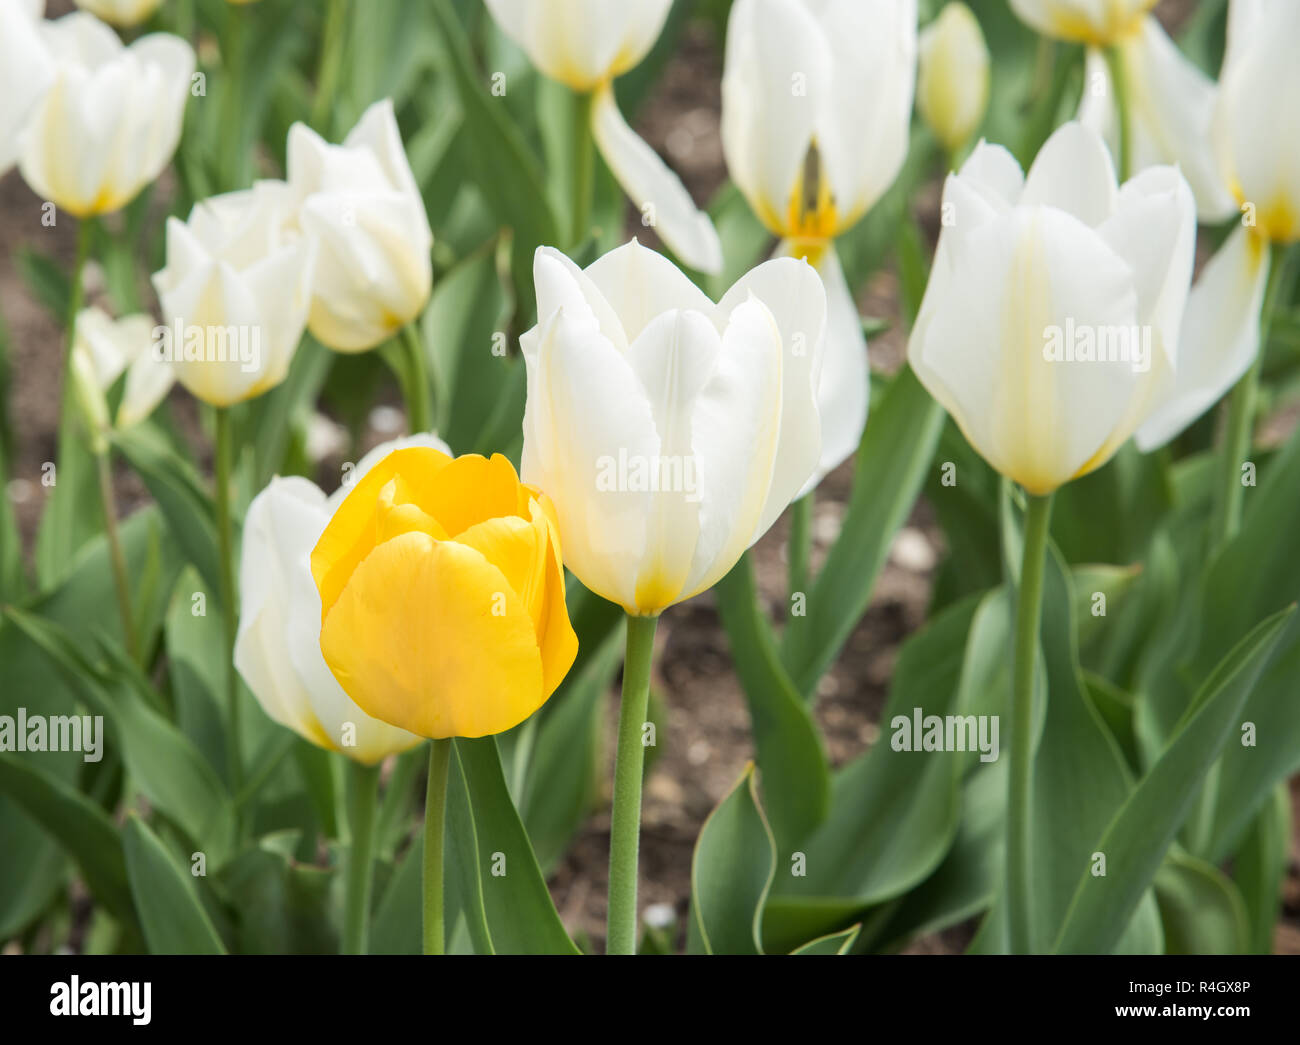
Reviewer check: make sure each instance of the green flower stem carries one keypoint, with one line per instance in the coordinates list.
(331, 61)
(799, 548)
(1029, 605)
(229, 610)
(362, 790)
(1241, 412)
(416, 391)
(116, 556)
(85, 233)
(629, 766)
(1119, 86)
(435, 817)
(233, 100)
(584, 161)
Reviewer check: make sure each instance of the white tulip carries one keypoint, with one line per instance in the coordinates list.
(26, 70)
(952, 85)
(125, 345)
(1050, 325)
(1256, 134)
(585, 44)
(816, 108)
(374, 273)
(235, 293)
(120, 12)
(669, 432)
(816, 104)
(1096, 22)
(277, 649)
(110, 118)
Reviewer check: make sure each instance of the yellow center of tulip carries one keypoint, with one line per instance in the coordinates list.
(810, 212)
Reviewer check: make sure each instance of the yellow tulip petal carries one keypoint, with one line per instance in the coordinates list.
(429, 636)
(472, 489)
(354, 529)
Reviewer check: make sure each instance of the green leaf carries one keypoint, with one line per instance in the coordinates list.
(171, 914)
(891, 466)
(791, 757)
(731, 872)
(562, 769)
(1260, 868)
(459, 327)
(279, 906)
(185, 504)
(501, 165)
(832, 943)
(1201, 909)
(81, 827)
(520, 914)
(1142, 830)
(396, 928)
(162, 762)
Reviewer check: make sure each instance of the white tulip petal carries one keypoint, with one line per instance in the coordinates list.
(844, 388)
(776, 83)
(674, 358)
(639, 284)
(657, 191)
(794, 295)
(863, 136)
(559, 283)
(588, 424)
(1220, 336)
(582, 43)
(1154, 230)
(736, 444)
(148, 380)
(1073, 172)
(26, 72)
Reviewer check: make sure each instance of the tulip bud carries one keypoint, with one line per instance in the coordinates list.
(670, 431)
(120, 12)
(1049, 329)
(277, 650)
(374, 272)
(235, 293)
(442, 595)
(1100, 24)
(89, 398)
(952, 88)
(110, 119)
(116, 346)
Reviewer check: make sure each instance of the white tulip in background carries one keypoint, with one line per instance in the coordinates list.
(277, 650)
(235, 292)
(585, 44)
(952, 83)
(670, 432)
(1256, 137)
(360, 200)
(120, 12)
(109, 117)
(1170, 100)
(26, 70)
(116, 346)
(1066, 250)
(816, 108)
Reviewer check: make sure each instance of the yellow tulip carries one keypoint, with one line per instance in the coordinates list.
(442, 595)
